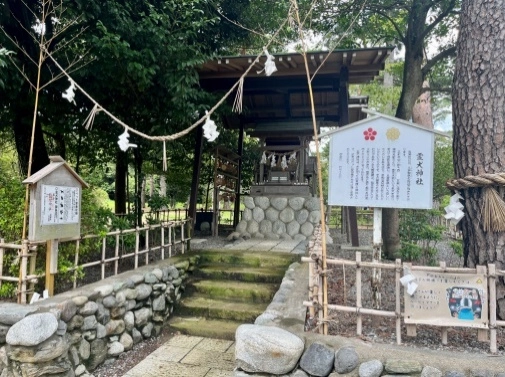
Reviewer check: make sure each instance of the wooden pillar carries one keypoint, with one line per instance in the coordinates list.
(197, 161)
(343, 114)
(240, 152)
(302, 160)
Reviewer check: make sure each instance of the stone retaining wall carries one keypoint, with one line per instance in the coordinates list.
(74, 332)
(277, 217)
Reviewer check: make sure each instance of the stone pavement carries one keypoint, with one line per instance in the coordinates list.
(190, 356)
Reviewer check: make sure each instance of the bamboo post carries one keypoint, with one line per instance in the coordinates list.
(162, 228)
(359, 319)
(170, 241)
(147, 246)
(492, 307)
(319, 171)
(116, 253)
(182, 238)
(76, 261)
(443, 265)
(51, 264)
(137, 242)
(104, 245)
(411, 328)
(398, 308)
(33, 265)
(2, 250)
(376, 257)
(482, 334)
(22, 273)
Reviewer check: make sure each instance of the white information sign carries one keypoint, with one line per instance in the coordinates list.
(380, 162)
(59, 205)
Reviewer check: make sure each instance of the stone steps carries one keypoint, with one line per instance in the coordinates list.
(215, 271)
(208, 328)
(227, 289)
(202, 306)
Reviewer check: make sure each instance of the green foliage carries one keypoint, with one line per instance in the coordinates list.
(419, 236)
(443, 167)
(7, 290)
(12, 193)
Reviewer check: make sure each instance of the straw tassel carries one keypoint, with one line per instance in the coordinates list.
(237, 104)
(493, 210)
(88, 122)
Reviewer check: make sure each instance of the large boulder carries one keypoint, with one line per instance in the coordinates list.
(296, 203)
(32, 330)
(265, 349)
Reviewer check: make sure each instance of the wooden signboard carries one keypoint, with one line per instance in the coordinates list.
(448, 299)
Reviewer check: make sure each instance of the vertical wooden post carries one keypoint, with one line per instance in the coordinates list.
(162, 228)
(312, 310)
(76, 261)
(376, 257)
(240, 152)
(482, 334)
(51, 264)
(116, 253)
(183, 246)
(137, 242)
(170, 240)
(359, 320)
(33, 265)
(1, 261)
(443, 265)
(411, 328)
(492, 307)
(104, 249)
(398, 308)
(147, 245)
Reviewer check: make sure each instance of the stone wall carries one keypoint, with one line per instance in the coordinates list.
(74, 332)
(277, 217)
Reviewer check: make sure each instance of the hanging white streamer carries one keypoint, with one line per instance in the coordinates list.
(273, 160)
(88, 122)
(454, 209)
(210, 129)
(269, 64)
(284, 162)
(263, 158)
(69, 94)
(123, 141)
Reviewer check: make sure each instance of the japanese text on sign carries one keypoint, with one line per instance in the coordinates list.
(381, 163)
(59, 205)
(446, 299)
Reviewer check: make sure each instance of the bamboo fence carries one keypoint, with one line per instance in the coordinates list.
(314, 302)
(173, 238)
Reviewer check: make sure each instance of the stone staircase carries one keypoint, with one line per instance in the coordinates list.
(227, 289)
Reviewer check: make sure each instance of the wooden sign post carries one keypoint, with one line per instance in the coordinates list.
(55, 210)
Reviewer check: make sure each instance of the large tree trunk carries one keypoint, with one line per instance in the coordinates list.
(412, 83)
(479, 117)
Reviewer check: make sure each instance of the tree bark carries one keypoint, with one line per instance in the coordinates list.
(479, 118)
(422, 114)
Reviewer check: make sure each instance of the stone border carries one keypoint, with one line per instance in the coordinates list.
(74, 332)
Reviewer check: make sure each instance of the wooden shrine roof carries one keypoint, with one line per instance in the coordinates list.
(283, 97)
